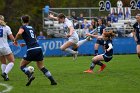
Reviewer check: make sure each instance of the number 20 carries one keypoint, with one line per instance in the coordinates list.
(104, 5)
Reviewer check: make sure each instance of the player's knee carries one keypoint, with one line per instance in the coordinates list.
(62, 48)
(94, 59)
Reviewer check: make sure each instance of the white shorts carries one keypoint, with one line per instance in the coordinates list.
(74, 38)
(5, 51)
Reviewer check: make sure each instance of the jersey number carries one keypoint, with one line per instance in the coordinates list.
(1, 32)
(32, 33)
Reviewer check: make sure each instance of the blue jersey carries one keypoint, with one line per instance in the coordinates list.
(29, 36)
(100, 29)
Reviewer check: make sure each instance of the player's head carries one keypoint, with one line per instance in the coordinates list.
(138, 18)
(108, 35)
(100, 22)
(2, 22)
(61, 18)
(25, 19)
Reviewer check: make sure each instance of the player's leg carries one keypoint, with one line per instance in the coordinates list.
(96, 46)
(65, 46)
(96, 59)
(3, 67)
(24, 69)
(9, 66)
(46, 72)
(138, 50)
(3, 63)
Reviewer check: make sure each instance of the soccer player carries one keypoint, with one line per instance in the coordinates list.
(107, 56)
(34, 51)
(71, 34)
(100, 30)
(5, 51)
(136, 33)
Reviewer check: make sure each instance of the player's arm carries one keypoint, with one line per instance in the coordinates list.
(71, 29)
(52, 16)
(92, 35)
(11, 37)
(134, 35)
(17, 35)
(110, 47)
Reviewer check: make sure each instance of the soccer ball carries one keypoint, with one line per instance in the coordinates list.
(31, 69)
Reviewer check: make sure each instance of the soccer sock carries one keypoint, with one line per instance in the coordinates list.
(3, 67)
(81, 42)
(47, 74)
(25, 70)
(9, 67)
(70, 51)
(99, 63)
(96, 52)
(92, 66)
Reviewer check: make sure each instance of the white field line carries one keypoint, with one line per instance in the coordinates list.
(8, 88)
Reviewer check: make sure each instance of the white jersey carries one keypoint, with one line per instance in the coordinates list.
(74, 37)
(4, 32)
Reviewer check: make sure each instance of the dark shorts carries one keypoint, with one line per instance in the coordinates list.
(34, 55)
(106, 59)
(100, 42)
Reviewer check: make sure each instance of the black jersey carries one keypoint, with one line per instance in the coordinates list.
(29, 36)
(106, 45)
(136, 26)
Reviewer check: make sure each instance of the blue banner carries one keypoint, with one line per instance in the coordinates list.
(51, 47)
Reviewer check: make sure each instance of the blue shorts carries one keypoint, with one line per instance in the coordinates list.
(34, 55)
(106, 58)
(100, 42)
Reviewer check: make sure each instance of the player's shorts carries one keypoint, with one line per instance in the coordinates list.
(74, 38)
(5, 51)
(107, 58)
(34, 54)
(100, 42)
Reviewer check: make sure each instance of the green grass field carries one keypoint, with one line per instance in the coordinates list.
(122, 75)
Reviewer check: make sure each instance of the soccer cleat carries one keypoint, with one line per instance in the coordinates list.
(53, 83)
(88, 71)
(31, 78)
(75, 55)
(4, 75)
(102, 68)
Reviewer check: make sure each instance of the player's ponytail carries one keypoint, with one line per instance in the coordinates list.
(2, 22)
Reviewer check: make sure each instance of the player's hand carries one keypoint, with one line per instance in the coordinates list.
(51, 15)
(15, 43)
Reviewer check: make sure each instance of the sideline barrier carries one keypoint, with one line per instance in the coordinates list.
(50, 47)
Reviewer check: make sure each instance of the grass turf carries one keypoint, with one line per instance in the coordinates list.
(120, 76)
